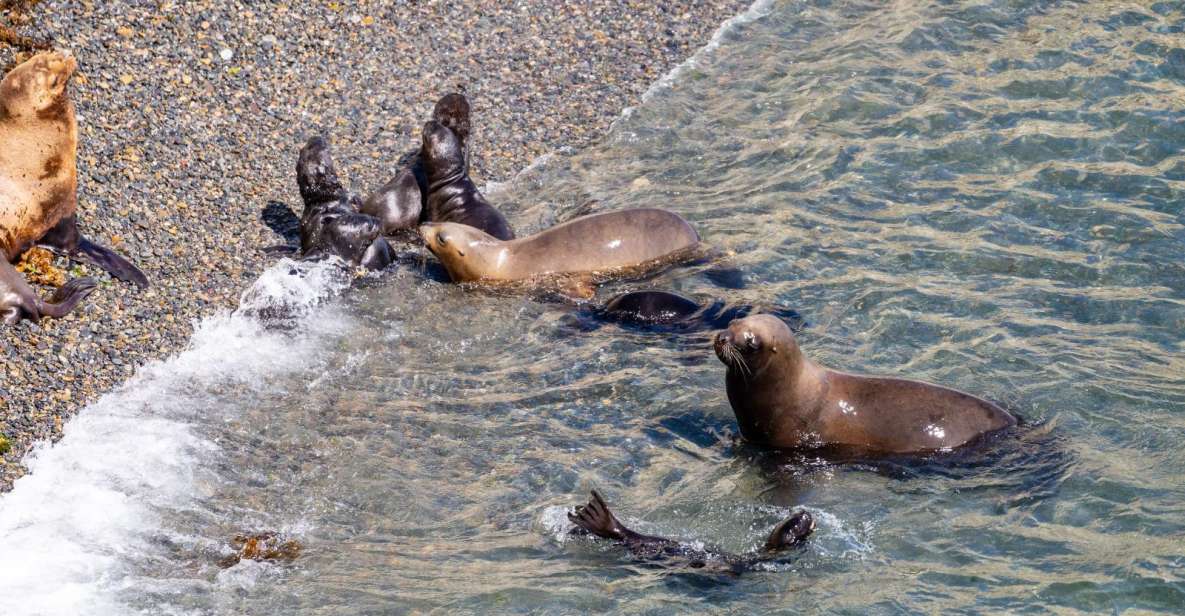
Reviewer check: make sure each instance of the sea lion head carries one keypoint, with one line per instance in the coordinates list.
(463, 250)
(749, 344)
(791, 532)
(442, 153)
(37, 87)
(349, 235)
(452, 110)
(315, 174)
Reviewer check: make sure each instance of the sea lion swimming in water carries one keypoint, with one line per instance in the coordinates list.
(591, 245)
(667, 311)
(783, 399)
(402, 203)
(452, 196)
(38, 176)
(331, 224)
(596, 519)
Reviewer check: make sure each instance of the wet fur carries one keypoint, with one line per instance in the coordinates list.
(783, 399)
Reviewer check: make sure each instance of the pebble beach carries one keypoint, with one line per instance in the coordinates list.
(191, 115)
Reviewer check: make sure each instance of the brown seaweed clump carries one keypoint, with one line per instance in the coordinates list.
(37, 266)
(17, 13)
(269, 546)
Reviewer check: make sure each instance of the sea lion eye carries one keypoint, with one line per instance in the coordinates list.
(442, 239)
(751, 341)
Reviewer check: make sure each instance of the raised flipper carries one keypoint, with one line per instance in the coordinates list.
(65, 299)
(596, 518)
(65, 238)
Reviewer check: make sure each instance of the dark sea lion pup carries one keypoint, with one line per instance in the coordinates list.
(402, 203)
(667, 311)
(783, 399)
(330, 224)
(38, 173)
(452, 196)
(596, 519)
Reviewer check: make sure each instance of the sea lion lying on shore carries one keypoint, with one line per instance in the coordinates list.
(331, 224)
(596, 519)
(783, 399)
(599, 245)
(38, 183)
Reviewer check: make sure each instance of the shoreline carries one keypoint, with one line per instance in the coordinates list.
(181, 147)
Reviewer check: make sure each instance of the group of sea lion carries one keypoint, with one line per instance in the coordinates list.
(781, 398)
(38, 184)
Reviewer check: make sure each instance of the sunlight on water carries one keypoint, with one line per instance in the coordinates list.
(986, 195)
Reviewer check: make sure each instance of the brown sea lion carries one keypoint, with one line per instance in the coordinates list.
(331, 224)
(452, 196)
(591, 245)
(783, 399)
(38, 178)
(596, 519)
(402, 203)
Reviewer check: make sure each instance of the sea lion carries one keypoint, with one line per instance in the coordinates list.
(783, 399)
(452, 196)
(38, 177)
(596, 519)
(402, 202)
(591, 245)
(331, 224)
(664, 311)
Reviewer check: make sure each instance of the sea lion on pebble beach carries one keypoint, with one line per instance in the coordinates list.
(596, 519)
(402, 203)
(783, 399)
(331, 224)
(452, 196)
(38, 176)
(599, 244)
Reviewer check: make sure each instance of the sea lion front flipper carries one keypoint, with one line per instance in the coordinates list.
(113, 264)
(596, 518)
(65, 299)
(378, 255)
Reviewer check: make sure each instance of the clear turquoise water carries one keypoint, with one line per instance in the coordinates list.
(985, 195)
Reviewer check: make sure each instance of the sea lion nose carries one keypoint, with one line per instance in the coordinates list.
(722, 338)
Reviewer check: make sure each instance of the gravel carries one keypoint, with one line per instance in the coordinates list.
(191, 114)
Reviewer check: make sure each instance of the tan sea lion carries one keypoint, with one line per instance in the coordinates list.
(38, 178)
(783, 399)
(599, 244)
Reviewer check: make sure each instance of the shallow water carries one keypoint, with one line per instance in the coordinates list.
(984, 195)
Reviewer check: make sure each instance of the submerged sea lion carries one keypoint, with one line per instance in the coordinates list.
(330, 224)
(38, 177)
(452, 196)
(783, 399)
(596, 244)
(666, 311)
(402, 202)
(596, 519)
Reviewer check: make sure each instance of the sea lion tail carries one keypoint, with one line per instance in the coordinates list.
(112, 263)
(596, 518)
(66, 298)
(791, 532)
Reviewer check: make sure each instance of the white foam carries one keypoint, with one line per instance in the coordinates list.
(72, 526)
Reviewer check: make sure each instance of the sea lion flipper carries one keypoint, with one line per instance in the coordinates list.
(66, 298)
(596, 518)
(113, 264)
